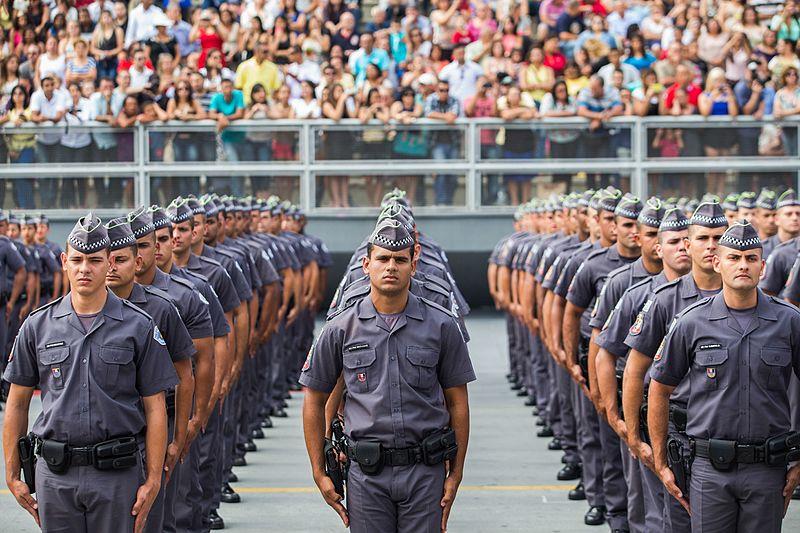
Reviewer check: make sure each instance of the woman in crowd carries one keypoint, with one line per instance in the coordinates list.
(337, 143)
(408, 143)
(9, 78)
(557, 104)
(787, 103)
(518, 143)
(107, 42)
(284, 145)
(162, 42)
(76, 146)
(258, 145)
(282, 42)
(66, 46)
(711, 44)
(373, 139)
(20, 146)
(638, 56)
(209, 33)
(81, 67)
(716, 100)
(230, 30)
(184, 107)
(785, 58)
(214, 72)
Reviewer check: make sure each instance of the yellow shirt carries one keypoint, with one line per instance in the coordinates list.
(20, 141)
(575, 86)
(250, 73)
(537, 75)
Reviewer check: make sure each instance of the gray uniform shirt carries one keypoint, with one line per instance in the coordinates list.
(738, 379)
(219, 323)
(192, 306)
(10, 262)
(618, 281)
(394, 379)
(159, 306)
(779, 264)
(92, 382)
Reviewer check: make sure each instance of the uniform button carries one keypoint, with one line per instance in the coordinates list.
(391, 358)
(358, 361)
(83, 385)
(83, 361)
(394, 384)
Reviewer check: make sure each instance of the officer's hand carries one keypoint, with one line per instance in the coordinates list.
(23, 495)
(292, 316)
(170, 459)
(333, 498)
(195, 426)
(451, 484)
(599, 406)
(23, 312)
(792, 480)
(145, 497)
(668, 478)
(645, 454)
(9, 307)
(621, 428)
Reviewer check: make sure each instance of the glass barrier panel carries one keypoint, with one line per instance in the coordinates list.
(66, 192)
(58, 145)
(389, 142)
(164, 188)
(721, 183)
(433, 189)
(512, 189)
(550, 141)
(234, 144)
(734, 140)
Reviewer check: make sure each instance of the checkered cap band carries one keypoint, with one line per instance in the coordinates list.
(741, 236)
(89, 235)
(674, 220)
(709, 215)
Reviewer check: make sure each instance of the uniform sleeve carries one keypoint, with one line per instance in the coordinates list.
(154, 369)
(219, 323)
(672, 359)
(270, 274)
(552, 273)
(792, 291)
(176, 335)
(240, 281)
(648, 329)
(776, 272)
(14, 261)
(616, 328)
(455, 365)
(323, 364)
(23, 364)
(565, 278)
(223, 287)
(609, 296)
(51, 261)
(580, 291)
(197, 317)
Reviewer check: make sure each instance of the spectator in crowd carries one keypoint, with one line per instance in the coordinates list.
(787, 103)
(228, 105)
(785, 23)
(556, 104)
(140, 22)
(214, 72)
(630, 74)
(21, 146)
(569, 26)
(141, 75)
(106, 43)
(718, 99)
(75, 146)
(638, 55)
(443, 23)
(444, 144)
(549, 12)
(537, 78)
(184, 107)
(620, 19)
(338, 143)
(47, 106)
(367, 54)
(81, 67)
(104, 106)
(462, 75)
(161, 41)
(784, 58)
(9, 77)
(598, 103)
(209, 32)
(180, 30)
(52, 62)
(517, 142)
(258, 69)
(408, 143)
(27, 70)
(66, 46)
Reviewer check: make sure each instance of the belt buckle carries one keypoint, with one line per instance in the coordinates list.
(748, 453)
(401, 455)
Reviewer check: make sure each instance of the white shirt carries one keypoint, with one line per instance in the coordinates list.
(463, 79)
(140, 24)
(303, 109)
(267, 14)
(95, 10)
(139, 79)
(48, 109)
(77, 139)
(630, 74)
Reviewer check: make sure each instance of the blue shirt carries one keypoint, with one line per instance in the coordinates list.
(359, 61)
(228, 108)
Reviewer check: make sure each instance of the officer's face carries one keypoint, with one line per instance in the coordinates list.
(255, 218)
(746, 214)
(86, 272)
(230, 224)
(13, 231)
(647, 239)
(627, 233)
(42, 230)
(211, 230)
(263, 223)
(198, 229)
(549, 222)
(788, 219)
(122, 268)
(731, 216)
(702, 246)
(389, 272)
(146, 255)
(163, 247)
(739, 270)
(765, 220)
(29, 232)
(582, 219)
(607, 226)
(671, 249)
(181, 237)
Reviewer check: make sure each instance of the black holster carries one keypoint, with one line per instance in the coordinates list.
(439, 446)
(679, 463)
(783, 449)
(678, 417)
(333, 468)
(27, 457)
(56, 455)
(116, 454)
(369, 456)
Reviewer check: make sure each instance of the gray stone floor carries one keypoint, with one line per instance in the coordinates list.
(509, 481)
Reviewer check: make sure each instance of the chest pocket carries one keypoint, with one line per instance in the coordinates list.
(712, 364)
(359, 370)
(774, 369)
(423, 366)
(56, 362)
(116, 370)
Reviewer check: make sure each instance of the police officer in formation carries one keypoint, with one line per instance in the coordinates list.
(166, 315)
(392, 361)
(595, 311)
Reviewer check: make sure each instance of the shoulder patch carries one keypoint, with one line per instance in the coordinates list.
(157, 336)
(636, 328)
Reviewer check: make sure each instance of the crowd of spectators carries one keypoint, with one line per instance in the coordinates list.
(118, 63)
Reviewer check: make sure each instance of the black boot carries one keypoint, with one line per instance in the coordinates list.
(232, 478)
(554, 445)
(546, 431)
(215, 521)
(595, 516)
(267, 422)
(570, 471)
(229, 495)
(530, 402)
(577, 493)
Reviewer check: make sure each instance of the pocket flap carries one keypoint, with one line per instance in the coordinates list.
(359, 358)
(774, 356)
(116, 355)
(54, 356)
(711, 357)
(422, 356)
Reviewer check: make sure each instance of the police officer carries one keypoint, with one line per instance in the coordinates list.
(746, 206)
(735, 351)
(730, 207)
(405, 366)
(103, 369)
(706, 226)
(26, 302)
(764, 219)
(12, 283)
(783, 244)
(42, 234)
(49, 267)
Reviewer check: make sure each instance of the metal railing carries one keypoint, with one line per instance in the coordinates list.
(455, 168)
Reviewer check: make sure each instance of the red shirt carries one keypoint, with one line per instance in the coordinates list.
(597, 7)
(557, 62)
(692, 91)
(126, 64)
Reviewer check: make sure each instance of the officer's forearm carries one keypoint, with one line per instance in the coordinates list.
(605, 364)
(513, 295)
(570, 333)
(658, 420)
(298, 290)
(222, 363)
(252, 310)
(503, 285)
(636, 367)
(333, 404)
(540, 292)
(155, 416)
(205, 375)
(312, 282)
(183, 399)
(557, 318)
(19, 285)
(242, 329)
(31, 285)
(269, 309)
(288, 287)
(56, 284)
(314, 430)
(15, 424)
(457, 401)
(592, 360)
(491, 278)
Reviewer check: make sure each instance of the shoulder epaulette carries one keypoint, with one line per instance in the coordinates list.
(666, 286)
(618, 271)
(784, 303)
(702, 302)
(133, 307)
(595, 253)
(46, 306)
(210, 261)
(182, 281)
(342, 308)
(437, 306)
(197, 275)
(433, 287)
(155, 291)
(640, 283)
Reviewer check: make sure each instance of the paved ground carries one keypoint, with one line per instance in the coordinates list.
(509, 481)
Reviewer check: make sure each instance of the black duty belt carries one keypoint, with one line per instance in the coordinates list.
(729, 451)
(394, 456)
(114, 454)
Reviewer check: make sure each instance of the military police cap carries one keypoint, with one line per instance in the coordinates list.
(585, 198)
(709, 215)
(629, 206)
(608, 199)
(195, 205)
(120, 234)
(673, 220)
(729, 203)
(787, 199)
(13, 218)
(160, 218)
(710, 197)
(89, 235)
(741, 236)
(391, 234)
(27, 220)
(3, 216)
(767, 199)
(594, 201)
(178, 211)
(141, 222)
(209, 206)
(651, 213)
(692, 205)
(747, 200)
(41, 218)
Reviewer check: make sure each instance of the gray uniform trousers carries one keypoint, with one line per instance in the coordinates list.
(186, 510)
(161, 507)
(794, 402)
(402, 499)
(247, 399)
(745, 498)
(553, 405)
(512, 349)
(631, 468)
(209, 462)
(227, 446)
(676, 517)
(539, 371)
(655, 518)
(279, 357)
(88, 500)
(569, 426)
(614, 487)
(589, 446)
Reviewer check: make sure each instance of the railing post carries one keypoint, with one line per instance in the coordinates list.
(472, 185)
(142, 179)
(306, 182)
(638, 151)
